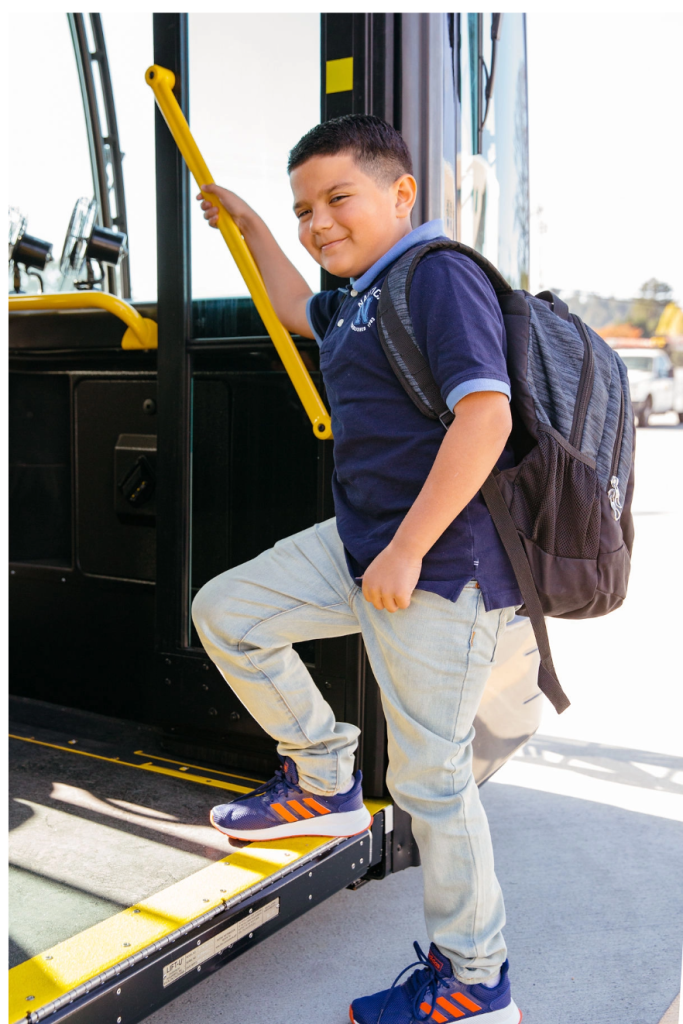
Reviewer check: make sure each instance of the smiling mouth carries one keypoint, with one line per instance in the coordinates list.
(330, 245)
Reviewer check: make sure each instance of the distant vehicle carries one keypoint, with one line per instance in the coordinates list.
(656, 384)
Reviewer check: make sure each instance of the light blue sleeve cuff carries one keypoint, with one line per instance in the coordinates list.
(468, 387)
(315, 333)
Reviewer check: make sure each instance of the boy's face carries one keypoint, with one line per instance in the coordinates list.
(348, 219)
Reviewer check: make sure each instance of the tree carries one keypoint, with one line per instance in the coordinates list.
(646, 310)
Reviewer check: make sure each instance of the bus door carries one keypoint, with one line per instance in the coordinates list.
(156, 441)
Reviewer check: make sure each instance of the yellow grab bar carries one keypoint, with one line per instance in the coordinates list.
(161, 81)
(141, 331)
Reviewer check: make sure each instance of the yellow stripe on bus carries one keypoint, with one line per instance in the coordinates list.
(148, 766)
(339, 75)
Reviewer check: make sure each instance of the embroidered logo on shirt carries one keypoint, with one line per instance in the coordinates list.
(362, 319)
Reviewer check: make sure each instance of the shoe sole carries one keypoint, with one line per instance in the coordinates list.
(335, 826)
(510, 1015)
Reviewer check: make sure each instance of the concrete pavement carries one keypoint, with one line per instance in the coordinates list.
(586, 821)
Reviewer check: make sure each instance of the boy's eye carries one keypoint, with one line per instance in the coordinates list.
(343, 195)
(301, 213)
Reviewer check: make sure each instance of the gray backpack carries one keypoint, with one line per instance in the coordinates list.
(563, 512)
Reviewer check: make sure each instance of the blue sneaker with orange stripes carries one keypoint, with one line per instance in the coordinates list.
(280, 809)
(433, 994)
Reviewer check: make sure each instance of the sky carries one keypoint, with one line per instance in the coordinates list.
(606, 146)
(606, 151)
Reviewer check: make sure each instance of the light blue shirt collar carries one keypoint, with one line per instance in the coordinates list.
(425, 233)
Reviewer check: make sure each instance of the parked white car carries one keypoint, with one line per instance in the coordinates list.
(656, 384)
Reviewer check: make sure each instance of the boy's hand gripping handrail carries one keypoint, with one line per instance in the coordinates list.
(161, 81)
(141, 331)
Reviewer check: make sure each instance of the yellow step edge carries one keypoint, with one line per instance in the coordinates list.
(75, 961)
(375, 806)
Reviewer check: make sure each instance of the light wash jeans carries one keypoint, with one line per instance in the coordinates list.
(431, 661)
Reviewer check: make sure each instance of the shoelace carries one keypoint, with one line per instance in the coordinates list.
(275, 786)
(423, 981)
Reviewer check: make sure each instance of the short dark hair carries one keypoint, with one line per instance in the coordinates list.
(376, 146)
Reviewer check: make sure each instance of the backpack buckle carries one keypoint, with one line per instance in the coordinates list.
(446, 418)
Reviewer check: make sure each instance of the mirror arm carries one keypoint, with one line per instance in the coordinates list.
(496, 23)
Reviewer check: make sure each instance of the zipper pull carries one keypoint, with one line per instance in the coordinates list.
(615, 501)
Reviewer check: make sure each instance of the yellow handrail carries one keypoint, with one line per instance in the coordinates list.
(161, 81)
(141, 332)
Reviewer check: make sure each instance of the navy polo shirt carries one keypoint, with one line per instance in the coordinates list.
(384, 447)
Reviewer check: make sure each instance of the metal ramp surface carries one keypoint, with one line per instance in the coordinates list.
(121, 894)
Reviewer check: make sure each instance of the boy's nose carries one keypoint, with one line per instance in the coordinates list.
(320, 221)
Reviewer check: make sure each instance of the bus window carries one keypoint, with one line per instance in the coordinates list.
(512, 159)
(251, 99)
(493, 155)
(130, 50)
(467, 143)
(49, 162)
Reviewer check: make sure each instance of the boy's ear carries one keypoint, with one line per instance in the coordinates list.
(405, 190)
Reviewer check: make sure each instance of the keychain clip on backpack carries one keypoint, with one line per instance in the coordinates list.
(563, 511)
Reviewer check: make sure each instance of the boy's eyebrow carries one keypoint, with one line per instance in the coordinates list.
(325, 192)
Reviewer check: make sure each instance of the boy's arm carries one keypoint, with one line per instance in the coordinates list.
(468, 453)
(286, 288)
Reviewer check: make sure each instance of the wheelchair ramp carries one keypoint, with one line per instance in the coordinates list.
(122, 895)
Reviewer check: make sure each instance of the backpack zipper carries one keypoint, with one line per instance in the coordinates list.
(616, 504)
(585, 389)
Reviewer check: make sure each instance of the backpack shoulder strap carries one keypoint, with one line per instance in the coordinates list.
(507, 531)
(396, 332)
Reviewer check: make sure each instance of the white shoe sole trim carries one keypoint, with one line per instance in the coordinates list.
(345, 823)
(510, 1015)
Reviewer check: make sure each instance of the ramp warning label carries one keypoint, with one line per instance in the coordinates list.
(215, 945)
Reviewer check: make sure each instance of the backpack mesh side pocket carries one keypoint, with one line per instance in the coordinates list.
(556, 499)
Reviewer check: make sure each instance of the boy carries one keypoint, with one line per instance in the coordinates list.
(412, 561)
